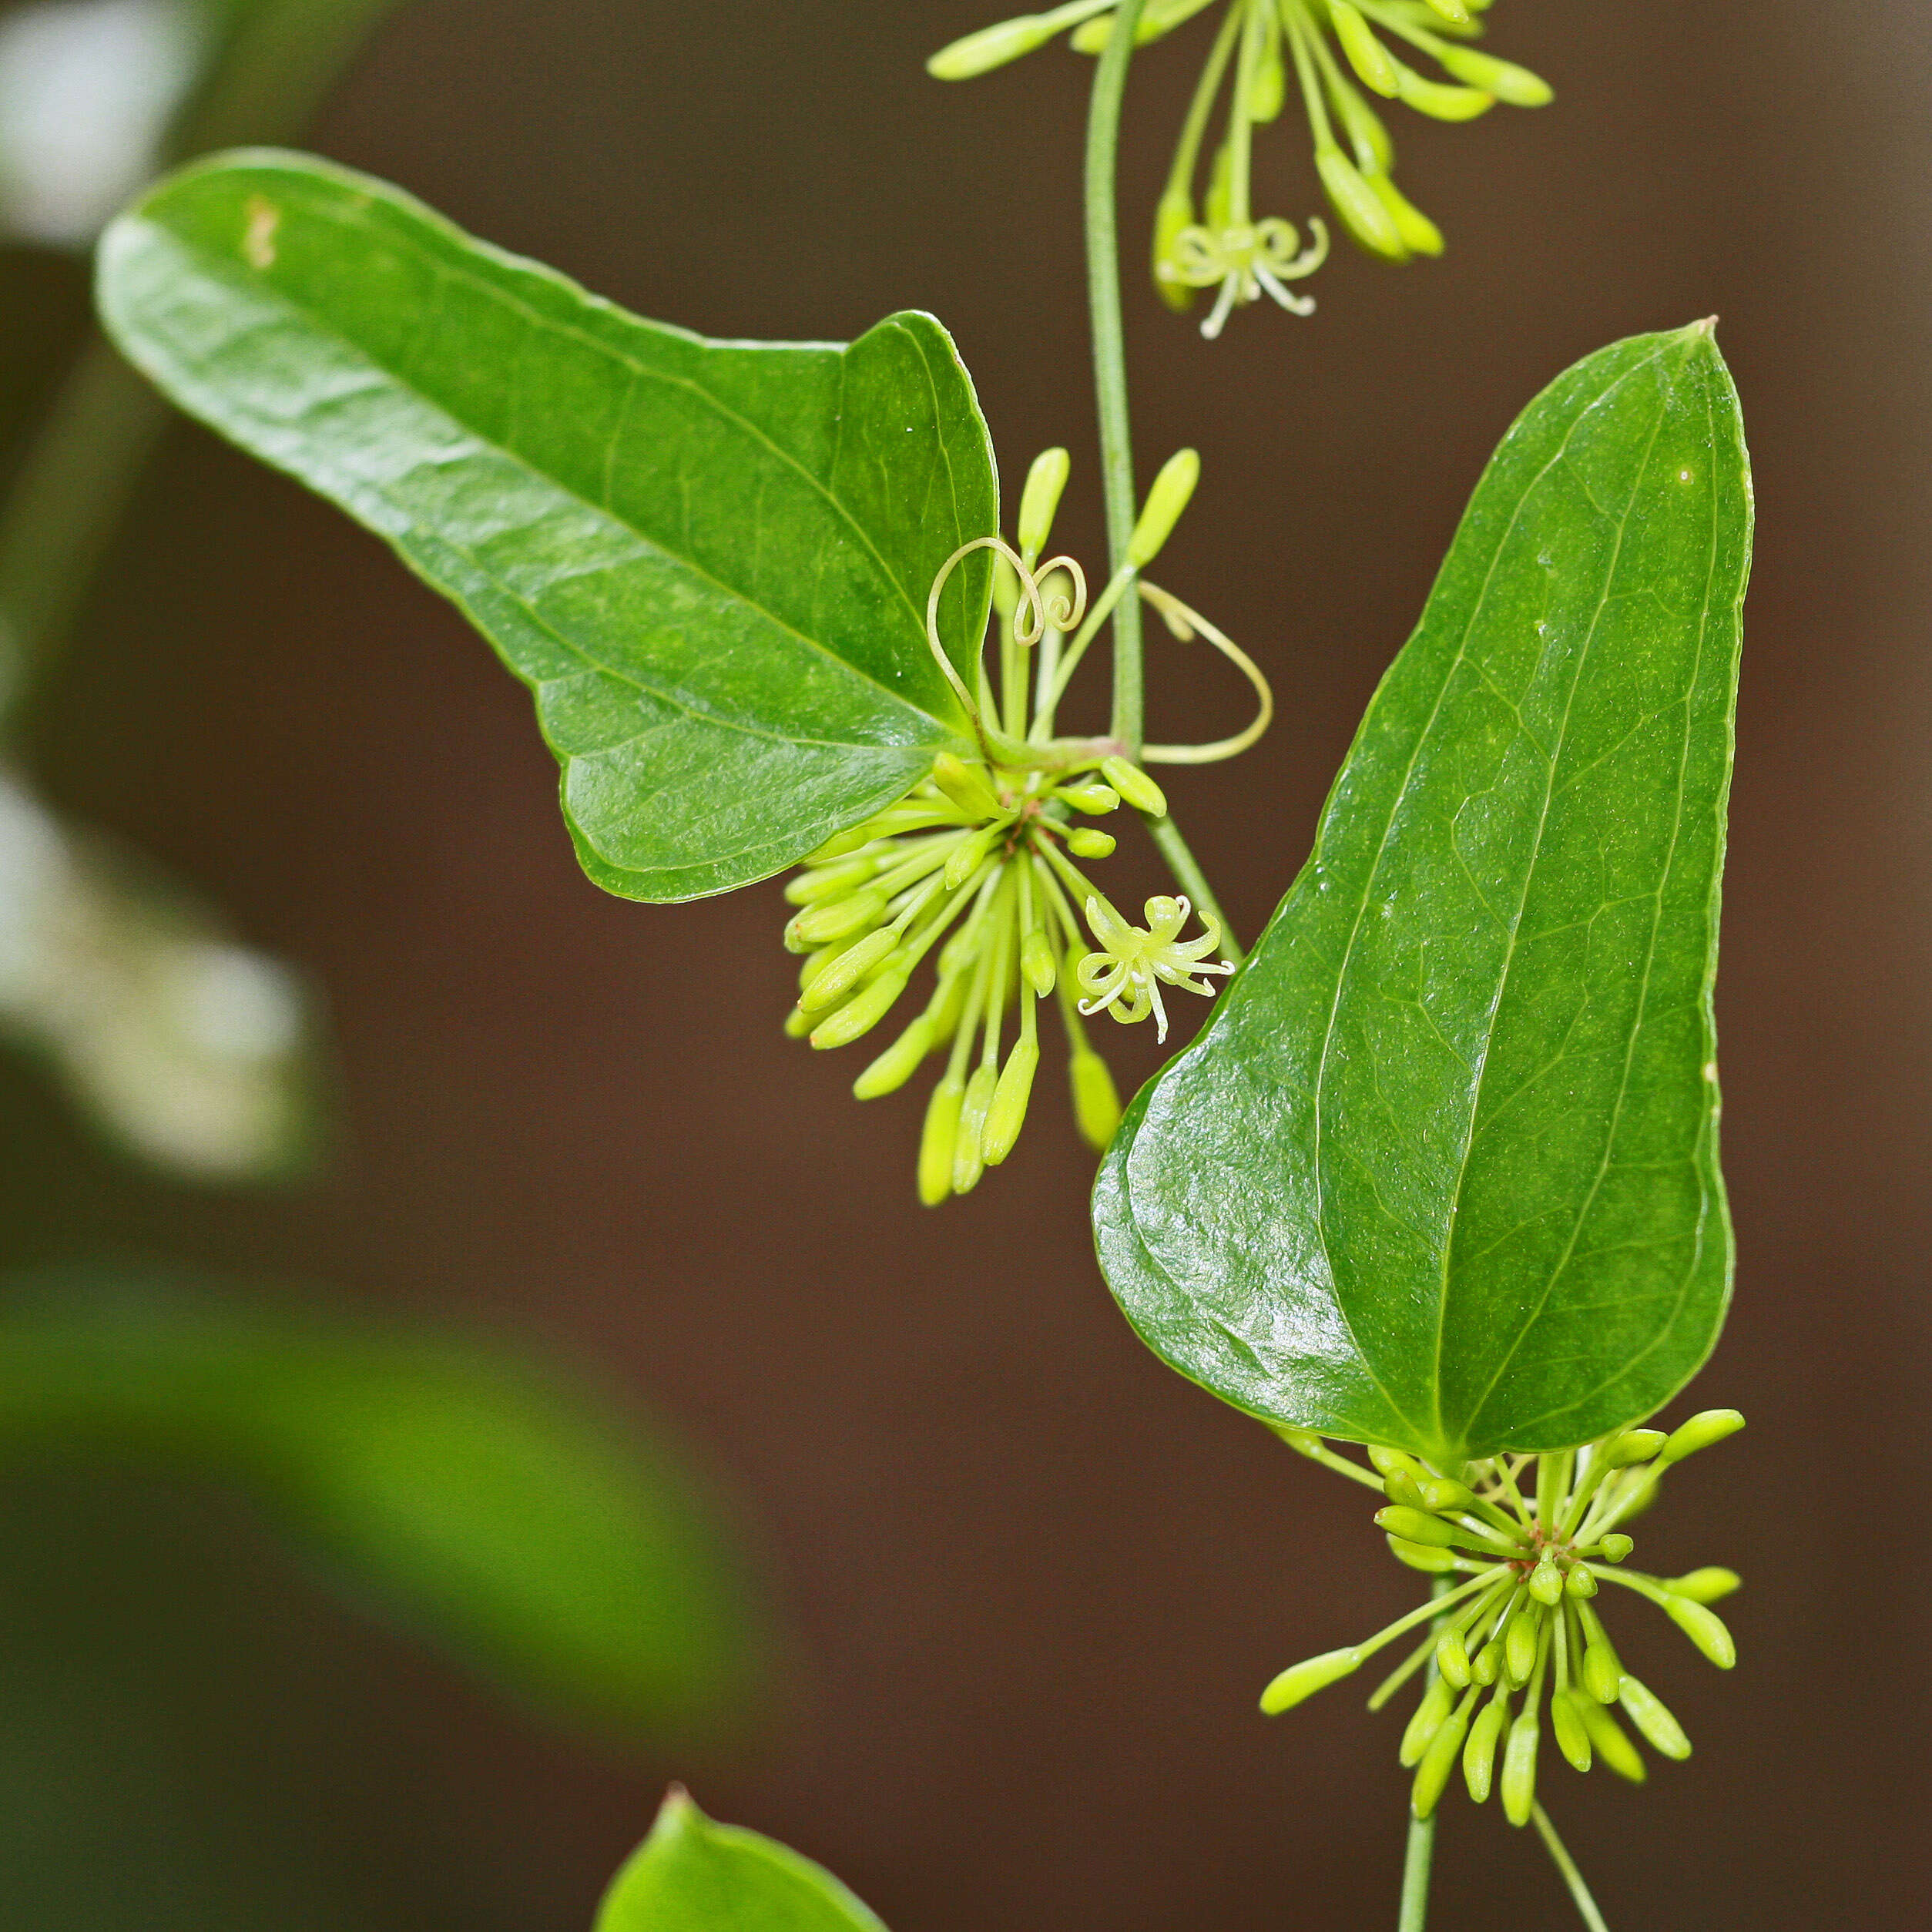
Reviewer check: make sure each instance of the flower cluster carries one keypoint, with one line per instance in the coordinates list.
(982, 859)
(1533, 1538)
(1338, 58)
(977, 864)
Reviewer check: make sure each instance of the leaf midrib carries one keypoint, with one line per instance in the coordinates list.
(637, 371)
(1361, 913)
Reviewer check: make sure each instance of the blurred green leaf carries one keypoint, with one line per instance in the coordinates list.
(1441, 1172)
(691, 1875)
(520, 1518)
(710, 561)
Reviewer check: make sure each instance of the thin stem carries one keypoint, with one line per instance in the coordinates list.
(1110, 358)
(62, 512)
(1415, 1874)
(1420, 1851)
(1579, 1892)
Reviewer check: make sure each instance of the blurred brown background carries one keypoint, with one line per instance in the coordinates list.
(1032, 1582)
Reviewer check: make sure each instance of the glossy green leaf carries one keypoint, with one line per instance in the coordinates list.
(709, 561)
(1441, 1172)
(691, 1875)
(518, 1517)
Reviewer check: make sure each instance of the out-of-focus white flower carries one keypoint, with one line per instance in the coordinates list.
(87, 88)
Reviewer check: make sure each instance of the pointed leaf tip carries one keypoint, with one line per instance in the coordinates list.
(1454, 1116)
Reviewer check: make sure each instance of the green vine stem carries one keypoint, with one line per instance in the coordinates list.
(1415, 1874)
(81, 470)
(1420, 1851)
(1579, 1892)
(1116, 439)
(1110, 359)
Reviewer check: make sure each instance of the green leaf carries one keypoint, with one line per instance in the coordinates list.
(709, 561)
(692, 1876)
(520, 1518)
(1442, 1171)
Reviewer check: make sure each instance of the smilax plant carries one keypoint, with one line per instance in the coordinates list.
(1439, 1176)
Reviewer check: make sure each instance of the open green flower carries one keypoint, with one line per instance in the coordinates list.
(978, 861)
(1533, 1537)
(1339, 51)
(1125, 976)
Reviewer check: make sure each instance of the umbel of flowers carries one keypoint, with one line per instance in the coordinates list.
(978, 869)
(1533, 1538)
(1341, 53)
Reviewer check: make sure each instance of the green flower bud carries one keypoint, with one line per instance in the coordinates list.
(1479, 1754)
(1095, 798)
(1304, 1442)
(1174, 215)
(1664, 1735)
(1429, 1716)
(1708, 1585)
(1452, 1659)
(1519, 1768)
(1704, 1628)
(966, 786)
(1417, 1526)
(1419, 233)
(1303, 1679)
(969, 1144)
(829, 881)
(798, 1023)
(1269, 93)
(1084, 842)
(1437, 1762)
(1007, 1113)
(1096, 1103)
(1444, 1492)
(1546, 1583)
(1387, 1460)
(1634, 1445)
(1439, 101)
(935, 1143)
(1454, 11)
(1374, 151)
(1607, 1734)
(841, 919)
(1581, 1581)
(1006, 586)
(1359, 206)
(1041, 499)
(969, 855)
(1616, 1547)
(980, 53)
(861, 1013)
(1366, 54)
(1400, 1486)
(1158, 17)
(1601, 1678)
(1519, 1645)
(1712, 1425)
(1487, 1666)
(1220, 190)
(838, 845)
(898, 1063)
(1421, 1556)
(1038, 962)
(1135, 786)
(1571, 1738)
(1504, 78)
(830, 987)
(1165, 501)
